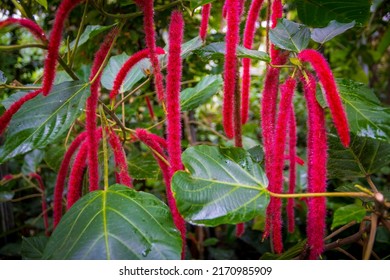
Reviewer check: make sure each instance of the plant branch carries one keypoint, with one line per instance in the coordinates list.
(338, 231)
(336, 194)
(82, 23)
(131, 93)
(348, 240)
(371, 238)
(115, 118)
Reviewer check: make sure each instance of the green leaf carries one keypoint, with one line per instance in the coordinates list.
(119, 223)
(364, 157)
(334, 28)
(366, 116)
(33, 247)
(3, 78)
(142, 166)
(90, 32)
(192, 98)
(290, 254)
(291, 36)
(43, 3)
(32, 161)
(43, 120)
(198, 3)
(347, 214)
(317, 13)
(189, 47)
(223, 186)
(114, 65)
(217, 51)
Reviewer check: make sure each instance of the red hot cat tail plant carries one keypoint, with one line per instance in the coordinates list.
(232, 39)
(249, 33)
(317, 160)
(332, 95)
(7, 116)
(120, 159)
(287, 92)
(92, 103)
(148, 9)
(34, 28)
(61, 177)
(174, 72)
(127, 66)
(292, 131)
(205, 21)
(49, 71)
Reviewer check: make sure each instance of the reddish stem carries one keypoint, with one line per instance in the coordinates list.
(38, 178)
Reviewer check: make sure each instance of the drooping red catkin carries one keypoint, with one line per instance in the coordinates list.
(120, 159)
(127, 66)
(249, 34)
(150, 108)
(332, 95)
(316, 173)
(76, 175)
(61, 177)
(7, 116)
(148, 9)
(287, 92)
(92, 103)
(38, 178)
(174, 72)
(49, 71)
(230, 65)
(34, 28)
(293, 169)
(205, 21)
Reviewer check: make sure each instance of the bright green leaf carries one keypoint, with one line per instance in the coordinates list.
(334, 28)
(198, 3)
(43, 3)
(291, 36)
(192, 98)
(33, 247)
(44, 120)
(318, 13)
(223, 186)
(365, 156)
(119, 223)
(347, 214)
(217, 51)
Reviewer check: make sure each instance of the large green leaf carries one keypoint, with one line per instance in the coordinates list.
(365, 156)
(192, 98)
(44, 120)
(90, 32)
(217, 51)
(290, 36)
(223, 186)
(119, 223)
(366, 116)
(318, 13)
(347, 214)
(142, 165)
(334, 28)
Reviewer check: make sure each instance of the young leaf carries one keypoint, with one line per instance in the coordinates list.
(334, 28)
(43, 120)
(291, 36)
(317, 13)
(347, 214)
(119, 223)
(223, 186)
(192, 98)
(217, 51)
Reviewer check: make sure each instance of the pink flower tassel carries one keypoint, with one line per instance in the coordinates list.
(61, 177)
(34, 28)
(332, 95)
(293, 169)
(249, 34)
(205, 21)
(120, 159)
(317, 160)
(14, 108)
(49, 71)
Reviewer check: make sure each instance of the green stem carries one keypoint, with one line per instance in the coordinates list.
(115, 118)
(18, 87)
(19, 47)
(105, 149)
(79, 32)
(67, 69)
(302, 195)
(131, 93)
(20, 8)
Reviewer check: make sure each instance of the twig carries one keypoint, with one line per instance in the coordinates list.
(345, 253)
(371, 238)
(333, 234)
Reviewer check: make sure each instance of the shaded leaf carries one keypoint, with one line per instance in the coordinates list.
(32, 161)
(119, 223)
(3, 78)
(217, 51)
(291, 36)
(334, 28)
(223, 186)
(44, 120)
(318, 13)
(347, 214)
(365, 156)
(290, 254)
(192, 98)
(142, 166)
(33, 247)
